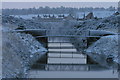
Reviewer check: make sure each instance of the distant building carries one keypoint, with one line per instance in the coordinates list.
(90, 16)
(116, 13)
(69, 17)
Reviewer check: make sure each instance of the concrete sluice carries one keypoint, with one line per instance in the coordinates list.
(63, 60)
(63, 56)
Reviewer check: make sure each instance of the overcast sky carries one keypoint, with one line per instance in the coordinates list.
(57, 4)
(60, 0)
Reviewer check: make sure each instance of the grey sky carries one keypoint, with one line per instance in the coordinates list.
(57, 4)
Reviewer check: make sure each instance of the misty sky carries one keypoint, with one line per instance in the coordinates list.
(57, 4)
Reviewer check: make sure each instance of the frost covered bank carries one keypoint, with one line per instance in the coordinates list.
(103, 49)
(20, 51)
(107, 46)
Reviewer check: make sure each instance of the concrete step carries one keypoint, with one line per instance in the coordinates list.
(70, 55)
(64, 50)
(60, 45)
(67, 61)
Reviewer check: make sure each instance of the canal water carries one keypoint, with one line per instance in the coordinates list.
(72, 74)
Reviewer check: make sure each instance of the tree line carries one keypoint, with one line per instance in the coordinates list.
(48, 10)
